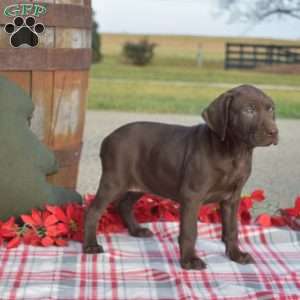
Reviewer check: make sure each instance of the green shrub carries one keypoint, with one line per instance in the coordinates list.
(140, 53)
(96, 42)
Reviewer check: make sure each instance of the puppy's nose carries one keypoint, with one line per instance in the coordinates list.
(272, 132)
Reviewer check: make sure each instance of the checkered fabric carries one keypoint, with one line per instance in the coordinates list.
(133, 268)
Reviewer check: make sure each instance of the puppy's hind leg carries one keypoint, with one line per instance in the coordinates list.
(125, 208)
(107, 193)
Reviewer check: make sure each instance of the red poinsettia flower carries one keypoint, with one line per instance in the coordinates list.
(71, 218)
(147, 209)
(75, 214)
(210, 213)
(246, 202)
(1, 234)
(55, 225)
(295, 211)
(278, 221)
(15, 234)
(111, 221)
(264, 220)
(168, 210)
(258, 195)
(245, 217)
(291, 216)
(46, 228)
(244, 214)
(152, 209)
(297, 206)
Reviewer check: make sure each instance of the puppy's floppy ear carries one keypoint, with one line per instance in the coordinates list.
(216, 115)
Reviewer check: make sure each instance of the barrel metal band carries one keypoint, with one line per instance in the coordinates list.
(47, 59)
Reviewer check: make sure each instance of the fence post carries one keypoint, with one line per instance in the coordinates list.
(227, 46)
(241, 55)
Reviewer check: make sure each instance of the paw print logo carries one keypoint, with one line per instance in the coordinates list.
(24, 33)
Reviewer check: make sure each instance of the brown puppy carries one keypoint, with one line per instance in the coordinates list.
(191, 165)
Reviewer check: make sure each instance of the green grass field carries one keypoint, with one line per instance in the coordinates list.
(174, 83)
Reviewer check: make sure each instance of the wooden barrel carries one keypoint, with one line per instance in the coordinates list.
(54, 73)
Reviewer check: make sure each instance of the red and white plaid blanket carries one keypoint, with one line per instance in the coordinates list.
(133, 268)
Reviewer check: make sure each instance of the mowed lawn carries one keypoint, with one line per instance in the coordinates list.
(174, 83)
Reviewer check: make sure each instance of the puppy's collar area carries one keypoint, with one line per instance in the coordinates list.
(231, 145)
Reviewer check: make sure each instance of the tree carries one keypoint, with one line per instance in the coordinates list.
(96, 42)
(257, 10)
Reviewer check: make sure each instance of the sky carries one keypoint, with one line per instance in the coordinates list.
(184, 17)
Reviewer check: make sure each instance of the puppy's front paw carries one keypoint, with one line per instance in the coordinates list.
(92, 249)
(240, 257)
(193, 263)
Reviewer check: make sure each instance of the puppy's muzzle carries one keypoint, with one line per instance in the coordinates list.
(272, 133)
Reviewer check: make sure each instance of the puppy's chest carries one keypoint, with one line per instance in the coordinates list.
(218, 177)
(233, 172)
(226, 180)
